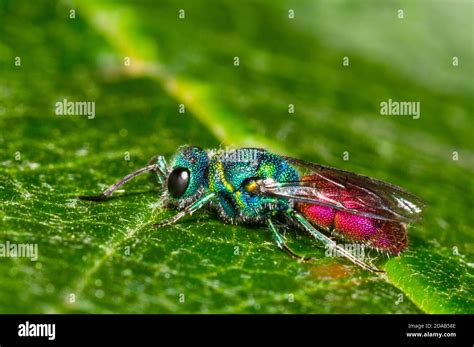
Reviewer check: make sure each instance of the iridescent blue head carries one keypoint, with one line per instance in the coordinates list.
(188, 172)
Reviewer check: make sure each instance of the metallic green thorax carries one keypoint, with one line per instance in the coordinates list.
(228, 173)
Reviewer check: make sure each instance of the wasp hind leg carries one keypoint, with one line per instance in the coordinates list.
(302, 221)
(281, 243)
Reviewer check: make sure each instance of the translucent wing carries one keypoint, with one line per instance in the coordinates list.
(346, 191)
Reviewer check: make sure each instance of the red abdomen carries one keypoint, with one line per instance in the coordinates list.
(389, 236)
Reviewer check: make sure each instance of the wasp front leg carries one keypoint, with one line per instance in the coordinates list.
(188, 210)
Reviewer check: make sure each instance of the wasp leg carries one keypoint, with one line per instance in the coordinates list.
(188, 210)
(106, 193)
(281, 243)
(296, 217)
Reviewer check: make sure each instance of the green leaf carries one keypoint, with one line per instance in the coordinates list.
(438, 283)
(100, 258)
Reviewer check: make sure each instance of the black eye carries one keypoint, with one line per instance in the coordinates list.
(178, 181)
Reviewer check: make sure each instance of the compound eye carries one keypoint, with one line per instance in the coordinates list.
(178, 181)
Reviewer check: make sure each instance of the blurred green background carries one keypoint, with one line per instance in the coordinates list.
(102, 258)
